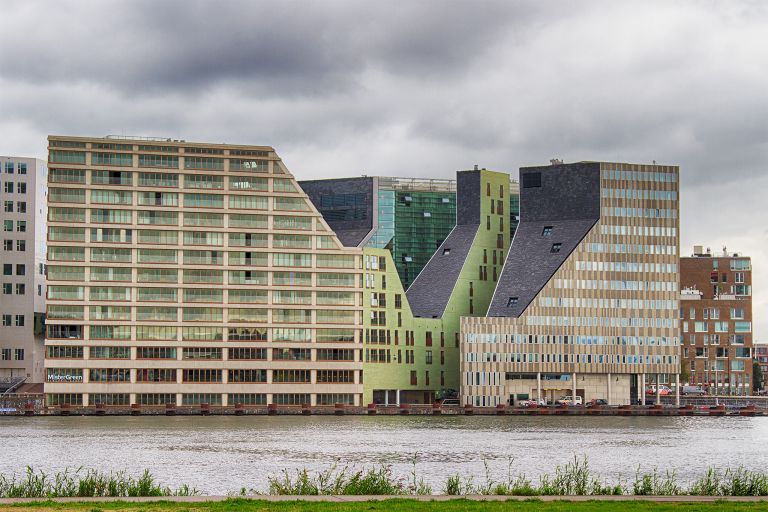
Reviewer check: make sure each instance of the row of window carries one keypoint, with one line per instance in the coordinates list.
(380, 355)
(615, 284)
(202, 333)
(150, 399)
(714, 313)
(632, 248)
(304, 260)
(21, 288)
(13, 320)
(21, 245)
(536, 357)
(170, 375)
(206, 353)
(21, 167)
(719, 326)
(21, 269)
(171, 180)
(161, 161)
(8, 187)
(626, 266)
(18, 354)
(743, 352)
(578, 302)
(590, 321)
(169, 314)
(257, 240)
(547, 339)
(125, 198)
(21, 206)
(623, 230)
(21, 226)
(639, 194)
(651, 176)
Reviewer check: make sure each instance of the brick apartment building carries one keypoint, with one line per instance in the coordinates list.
(716, 318)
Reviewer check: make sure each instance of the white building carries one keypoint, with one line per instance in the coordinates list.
(22, 298)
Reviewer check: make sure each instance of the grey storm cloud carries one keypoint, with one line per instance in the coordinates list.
(280, 48)
(419, 88)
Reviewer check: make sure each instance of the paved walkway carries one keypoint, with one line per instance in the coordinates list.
(442, 497)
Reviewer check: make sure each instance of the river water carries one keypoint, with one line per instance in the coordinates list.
(220, 454)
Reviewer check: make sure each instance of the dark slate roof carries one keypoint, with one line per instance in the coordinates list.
(351, 222)
(351, 237)
(430, 292)
(564, 196)
(531, 262)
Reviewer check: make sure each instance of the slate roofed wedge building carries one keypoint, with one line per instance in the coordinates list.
(587, 303)
(412, 337)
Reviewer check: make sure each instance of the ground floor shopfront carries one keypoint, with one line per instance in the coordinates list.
(616, 389)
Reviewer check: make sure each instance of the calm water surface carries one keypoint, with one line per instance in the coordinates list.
(221, 454)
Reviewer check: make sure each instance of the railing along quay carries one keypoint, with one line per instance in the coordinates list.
(34, 409)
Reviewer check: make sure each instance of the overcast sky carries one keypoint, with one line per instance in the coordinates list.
(417, 89)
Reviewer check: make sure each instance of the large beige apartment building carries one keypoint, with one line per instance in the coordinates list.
(587, 303)
(22, 300)
(185, 273)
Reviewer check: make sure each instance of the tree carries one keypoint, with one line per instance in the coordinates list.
(685, 373)
(757, 376)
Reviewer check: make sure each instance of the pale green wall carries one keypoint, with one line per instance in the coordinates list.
(397, 375)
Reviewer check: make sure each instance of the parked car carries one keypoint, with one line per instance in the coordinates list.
(663, 390)
(531, 402)
(569, 400)
(598, 401)
(692, 391)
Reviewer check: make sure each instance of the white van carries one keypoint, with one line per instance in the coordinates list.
(568, 400)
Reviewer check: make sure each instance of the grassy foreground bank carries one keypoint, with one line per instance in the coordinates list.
(391, 505)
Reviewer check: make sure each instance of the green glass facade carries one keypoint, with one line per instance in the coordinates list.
(422, 221)
(410, 359)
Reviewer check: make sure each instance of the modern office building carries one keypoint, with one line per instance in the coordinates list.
(22, 303)
(409, 216)
(587, 303)
(761, 358)
(187, 273)
(412, 338)
(716, 317)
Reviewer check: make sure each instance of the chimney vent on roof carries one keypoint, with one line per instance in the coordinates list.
(476, 167)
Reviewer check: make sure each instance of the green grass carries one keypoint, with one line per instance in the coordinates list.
(392, 505)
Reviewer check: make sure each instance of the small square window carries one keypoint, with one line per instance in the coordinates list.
(511, 302)
(547, 231)
(555, 248)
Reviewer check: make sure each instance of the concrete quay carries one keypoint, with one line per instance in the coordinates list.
(390, 410)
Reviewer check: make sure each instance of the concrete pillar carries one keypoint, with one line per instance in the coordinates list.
(608, 398)
(573, 388)
(386, 397)
(677, 390)
(642, 389)
(658, 389)
(397, 397)
(538, 386)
